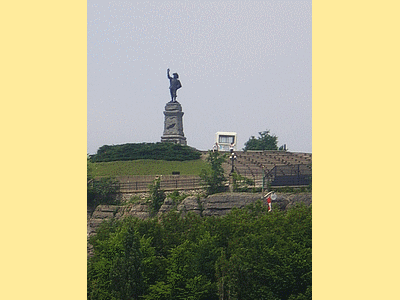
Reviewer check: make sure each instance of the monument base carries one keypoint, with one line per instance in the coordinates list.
(176, 139)
(173, 124)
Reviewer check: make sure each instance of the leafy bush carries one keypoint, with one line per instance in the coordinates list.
(177, 197)
(134, 151)
(157, 195)
(102, 191)
(133, 199)
(241, 183)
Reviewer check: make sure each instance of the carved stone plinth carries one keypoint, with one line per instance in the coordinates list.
(173, 125)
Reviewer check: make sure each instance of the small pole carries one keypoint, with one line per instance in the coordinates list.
(263, 182)
(231, 179)
(233, 157)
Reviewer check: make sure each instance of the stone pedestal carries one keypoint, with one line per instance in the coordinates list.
(173, 125)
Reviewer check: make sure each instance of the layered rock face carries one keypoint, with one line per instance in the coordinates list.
(213, 205)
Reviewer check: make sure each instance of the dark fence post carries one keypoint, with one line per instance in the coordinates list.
(298, 174)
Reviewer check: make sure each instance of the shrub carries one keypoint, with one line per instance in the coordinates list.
(103, 191)
(241, 183)
(157, 195)
(177, 197)
(134, 151)
(214, 178)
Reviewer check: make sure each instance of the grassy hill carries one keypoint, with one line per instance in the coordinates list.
(146, 167)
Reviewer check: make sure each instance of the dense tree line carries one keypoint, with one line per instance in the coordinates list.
(134, 151)
(247, 254)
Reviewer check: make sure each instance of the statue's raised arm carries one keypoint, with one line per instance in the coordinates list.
(174, 85)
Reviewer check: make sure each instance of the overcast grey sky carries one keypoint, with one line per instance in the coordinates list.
(245, 66)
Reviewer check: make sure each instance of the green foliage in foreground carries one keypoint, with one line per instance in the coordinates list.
(157, 196)
(146, 167)
(248, 254)
(157, 151)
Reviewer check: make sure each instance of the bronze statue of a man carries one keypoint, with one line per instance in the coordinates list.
(174, 85)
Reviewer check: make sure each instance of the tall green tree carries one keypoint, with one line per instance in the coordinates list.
(157, 195)
(265, 141)
(126, 273)
(190, 272)
(116, 269)
(213, 177)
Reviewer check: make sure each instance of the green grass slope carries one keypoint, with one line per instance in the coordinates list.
(146, 167)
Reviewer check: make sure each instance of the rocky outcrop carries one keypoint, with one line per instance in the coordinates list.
(221, 204)
(101, 213)
(213, 205)
(287, 201)
(191, 204)
(106, 212)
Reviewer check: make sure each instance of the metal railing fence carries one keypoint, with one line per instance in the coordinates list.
(180, 183)
(293, 175)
